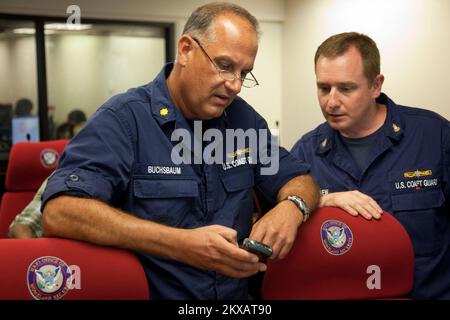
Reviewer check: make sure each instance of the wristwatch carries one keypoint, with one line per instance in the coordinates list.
(301, 204)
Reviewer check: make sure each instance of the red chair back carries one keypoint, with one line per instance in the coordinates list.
(98, 272)
(30, 163)
(338, 256)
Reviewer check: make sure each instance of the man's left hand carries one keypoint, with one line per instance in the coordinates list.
(278, 228)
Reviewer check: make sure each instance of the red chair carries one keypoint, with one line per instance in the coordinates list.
(98, 272)
(30, 163)
(338, 256)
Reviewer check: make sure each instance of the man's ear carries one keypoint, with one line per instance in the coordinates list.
(185, 47)
(377, 85)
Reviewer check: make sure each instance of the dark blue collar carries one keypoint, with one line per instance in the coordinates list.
(162, 107)
(393, 127)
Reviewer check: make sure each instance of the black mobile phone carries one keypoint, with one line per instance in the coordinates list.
(260, 249)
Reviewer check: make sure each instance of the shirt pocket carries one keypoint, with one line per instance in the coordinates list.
(237, 180)
(166, 201)
(419, 212)
(238, 185)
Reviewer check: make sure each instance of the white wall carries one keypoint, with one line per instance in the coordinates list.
(18, 70)
(5, 88)
(414, 41)
(266, 98)
(131, 62)
(84, 71)
(74, 73)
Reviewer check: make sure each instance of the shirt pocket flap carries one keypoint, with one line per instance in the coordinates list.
(169, 188)
(238, 180)
(418, 200)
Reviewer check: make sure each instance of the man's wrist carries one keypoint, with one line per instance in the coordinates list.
(301, 205)
(323, 200)
(296, 211)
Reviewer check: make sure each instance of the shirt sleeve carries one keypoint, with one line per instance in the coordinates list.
(97, 162)
(31, 215)
(275, 166)
(298, 150)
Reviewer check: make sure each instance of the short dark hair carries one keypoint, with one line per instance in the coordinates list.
(201, 19)
(339, 44)
(23, 107)
(76, 116)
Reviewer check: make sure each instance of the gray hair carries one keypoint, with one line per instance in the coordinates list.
(201, 19)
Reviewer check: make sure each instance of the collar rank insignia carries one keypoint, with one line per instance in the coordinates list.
(164, 111)
(396, 128)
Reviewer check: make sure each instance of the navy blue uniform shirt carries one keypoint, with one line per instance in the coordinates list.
(123, 157)
(407, 173)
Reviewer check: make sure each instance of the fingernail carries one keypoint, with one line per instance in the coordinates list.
(263, 267)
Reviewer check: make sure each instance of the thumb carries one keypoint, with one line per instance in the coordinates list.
(229, 234)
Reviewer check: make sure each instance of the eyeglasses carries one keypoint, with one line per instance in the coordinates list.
(229, 75)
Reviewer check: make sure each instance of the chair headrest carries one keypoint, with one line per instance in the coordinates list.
(338, 256)
(98, 273)
(30, 163)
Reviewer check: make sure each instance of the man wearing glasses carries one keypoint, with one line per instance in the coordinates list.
(118, 184)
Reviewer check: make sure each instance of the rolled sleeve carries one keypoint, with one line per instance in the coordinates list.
(78, 182)
(98, 160)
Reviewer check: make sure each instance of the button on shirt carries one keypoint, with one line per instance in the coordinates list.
(123, 157)
(407, 173)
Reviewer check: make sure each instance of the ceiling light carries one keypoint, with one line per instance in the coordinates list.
(24, 31)
(67, 26)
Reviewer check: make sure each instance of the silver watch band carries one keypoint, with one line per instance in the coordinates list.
(301, 205)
